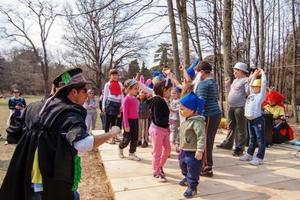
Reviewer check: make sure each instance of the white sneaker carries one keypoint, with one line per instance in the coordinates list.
(121, 154)
(161, 179)
(246, 157)
(256, 161)
(132, 156)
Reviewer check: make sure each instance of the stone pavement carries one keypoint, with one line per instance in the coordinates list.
(278, 178)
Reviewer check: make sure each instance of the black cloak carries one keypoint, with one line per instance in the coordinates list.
(53, 133)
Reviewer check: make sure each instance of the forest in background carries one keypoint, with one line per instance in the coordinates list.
(100, 35)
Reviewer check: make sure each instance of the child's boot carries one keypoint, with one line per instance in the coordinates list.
(190, 192)
(183, 182)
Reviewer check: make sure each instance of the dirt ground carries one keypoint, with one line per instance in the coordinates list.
(94, 184)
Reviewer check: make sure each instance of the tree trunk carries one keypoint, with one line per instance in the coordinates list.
(215, 39)
(249, 33)
(267, 65)
(262, 35)
(294, 76)
(174, 39)
(272, 46)
(277, 69)
(219, 57)
(199, 51)
(227, 32)
(181, 7)
(257, 33)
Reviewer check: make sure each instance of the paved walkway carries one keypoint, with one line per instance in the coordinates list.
(278, 178)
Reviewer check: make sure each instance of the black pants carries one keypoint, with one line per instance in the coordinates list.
(110, 120)
(212, 124)
(131, 137)
(38, 196)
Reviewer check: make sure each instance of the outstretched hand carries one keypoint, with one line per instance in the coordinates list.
(115, 130)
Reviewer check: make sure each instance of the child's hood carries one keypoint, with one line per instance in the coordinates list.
(197, 117)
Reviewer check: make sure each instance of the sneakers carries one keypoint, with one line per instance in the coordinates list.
(190, 192)
(183, 182)
(160, 177)
(121, 154)
(246, 157)
(144, 145)
(222, 146)
(134, 157)
(237, 152)
(256, 161)
(207, 173)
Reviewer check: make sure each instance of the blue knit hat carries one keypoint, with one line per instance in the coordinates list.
(193, 102)
(190, 71)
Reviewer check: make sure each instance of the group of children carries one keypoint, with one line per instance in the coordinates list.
(183, 117)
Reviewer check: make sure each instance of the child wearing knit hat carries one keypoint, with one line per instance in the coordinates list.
(191, 142)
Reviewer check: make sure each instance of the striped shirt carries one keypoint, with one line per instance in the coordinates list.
(208, 90)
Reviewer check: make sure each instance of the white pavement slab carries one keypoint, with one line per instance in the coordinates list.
(278, 178)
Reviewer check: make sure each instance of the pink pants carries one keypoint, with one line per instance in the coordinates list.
(161, 146)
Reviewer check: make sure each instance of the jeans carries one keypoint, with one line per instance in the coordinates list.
(143, 130)
(237, 129)
(257, 135)
(90, 121)
(174, 128)
(190, 167)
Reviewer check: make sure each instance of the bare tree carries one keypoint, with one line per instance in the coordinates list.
(262, 34)
(182, 13)
(227, 32)
(102, 39)
(195, 22)
(44, 15)
(256, 13)
(174, 38)
(294, 71)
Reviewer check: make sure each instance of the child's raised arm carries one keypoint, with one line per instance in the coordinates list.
(263, 87)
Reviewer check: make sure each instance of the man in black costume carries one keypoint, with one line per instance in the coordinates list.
(45, 164)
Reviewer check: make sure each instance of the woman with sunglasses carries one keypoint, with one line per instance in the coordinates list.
(16, 104)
